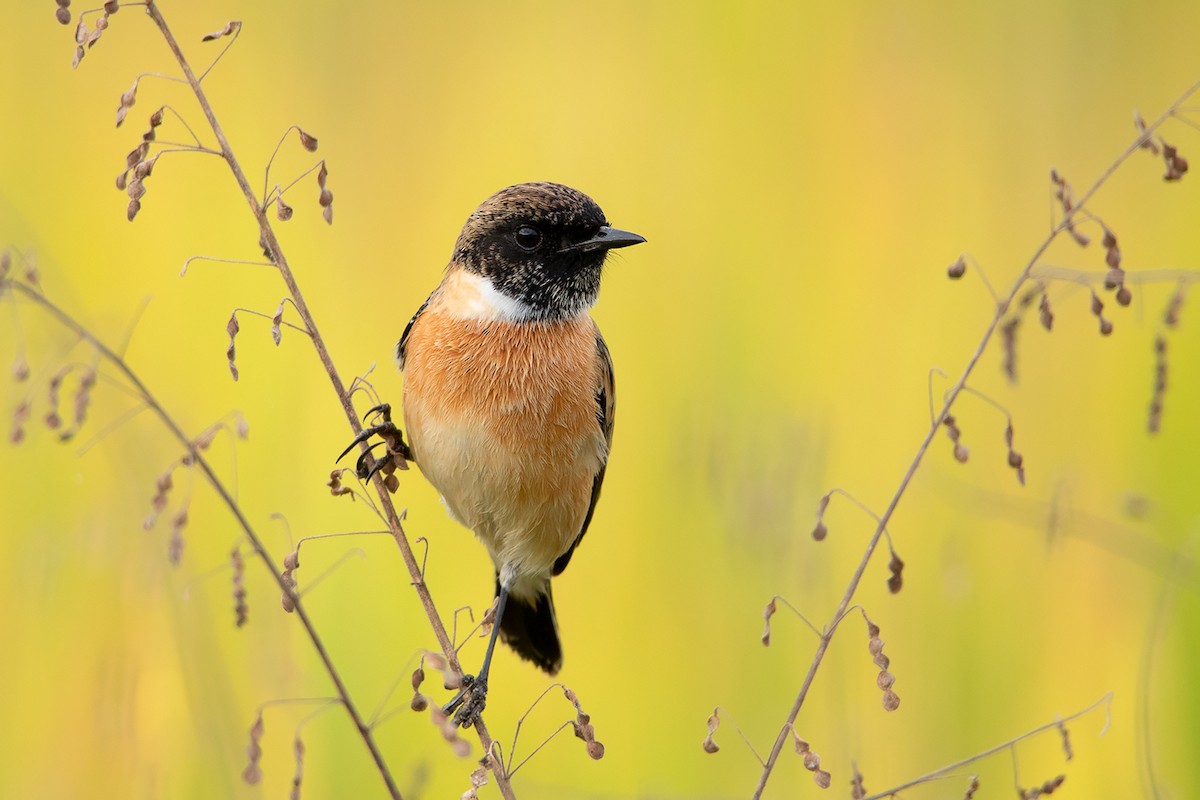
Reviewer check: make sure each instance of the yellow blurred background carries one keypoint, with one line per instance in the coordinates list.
(804, 172)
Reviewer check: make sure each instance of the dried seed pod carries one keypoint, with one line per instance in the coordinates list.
(1008, 345)
(231, 27)
(298, 775)
(276, 321)
(857, 790)
(240, 609)
(232, 327)
(1045, 315)
(1068, 752)
(896, 568)
(252, 774)
(20, 415)
(20, 369)
(957, 269)
(175, 546)
(710, 744)
(768, 612)
(63, 15)
(308, 141)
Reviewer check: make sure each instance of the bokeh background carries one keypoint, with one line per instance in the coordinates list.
(804, 172)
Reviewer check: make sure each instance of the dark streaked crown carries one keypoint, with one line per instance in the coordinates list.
(542, 244)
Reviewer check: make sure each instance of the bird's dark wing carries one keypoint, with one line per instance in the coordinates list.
(606, 407)
(402, 345)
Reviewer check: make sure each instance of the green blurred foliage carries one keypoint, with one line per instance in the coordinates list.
(804, 172)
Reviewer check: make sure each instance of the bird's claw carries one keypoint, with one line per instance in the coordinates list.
(467, 706)
(398, 452)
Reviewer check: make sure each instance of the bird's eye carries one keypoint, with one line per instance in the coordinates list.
(528, 238)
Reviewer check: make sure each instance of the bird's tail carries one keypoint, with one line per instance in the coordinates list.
(529, 627)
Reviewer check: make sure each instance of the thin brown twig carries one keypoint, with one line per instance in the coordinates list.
(273, 247)
(950, 397)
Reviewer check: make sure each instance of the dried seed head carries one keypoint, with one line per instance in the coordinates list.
(1014, 459)
(1068, 752)
(276, 322)
(957, 269)
(143, 170)
(136, 154)
(961, 453)
(111, 7)
(1124, 296)
(1112, 257)
(1045, 315)
(79, 53)
(822, 778)
(253, 772)
(308, 141)
(282, 210)
(298, 776)
(131, 211)
(820, 532)
(1097, 306)
(175, 546)
(710, 744)
(1008, 345)
(1080, 238)
(1174, 306)
(891, 700)
(240, 609)
(20, 415)
(1146, 142)
(768, 612)
(231, 27)
(63, 15)
(335, 484)
(595, 750)
(857, 790)
(1106, 326)
(232, 327)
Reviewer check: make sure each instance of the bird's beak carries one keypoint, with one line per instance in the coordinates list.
(605, 239)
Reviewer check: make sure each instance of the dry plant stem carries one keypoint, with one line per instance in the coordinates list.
(1106, 700)
(950, 397)
(272, 243)
(343, 694)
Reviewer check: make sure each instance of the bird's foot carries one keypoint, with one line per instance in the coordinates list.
(398, 452)
(468, 704)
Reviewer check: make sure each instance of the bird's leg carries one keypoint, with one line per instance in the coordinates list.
(398, 452)
(472, 697)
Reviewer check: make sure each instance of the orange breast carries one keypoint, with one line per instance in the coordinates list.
(502, 420)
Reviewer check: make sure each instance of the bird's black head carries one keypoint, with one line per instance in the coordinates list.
(541, 245)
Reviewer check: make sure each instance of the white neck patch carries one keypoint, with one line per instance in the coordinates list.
(472, 296)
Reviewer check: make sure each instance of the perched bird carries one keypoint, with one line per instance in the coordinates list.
(509, 399)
